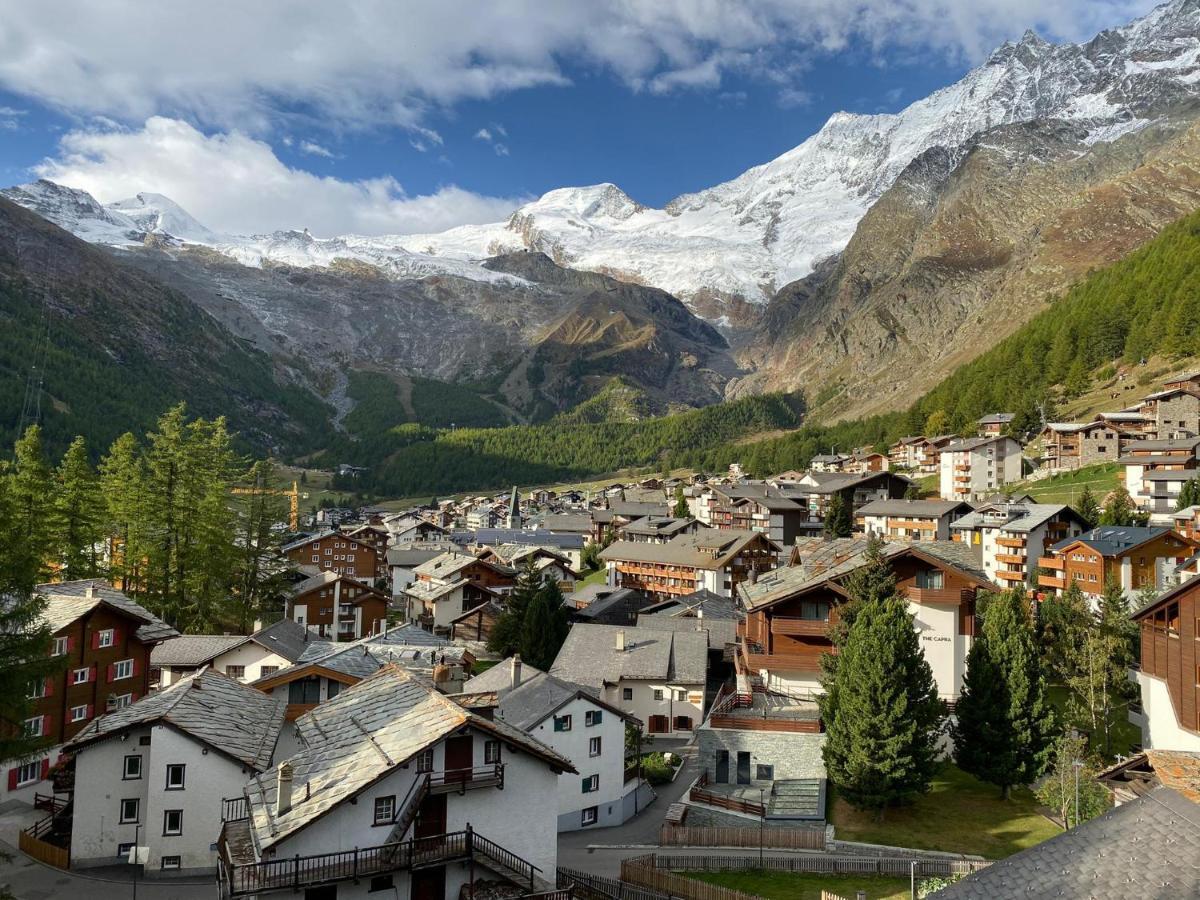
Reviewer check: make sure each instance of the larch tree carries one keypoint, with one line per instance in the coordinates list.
(78, 514)
(1005, 723)
(31, 499)
(1088, 508)
(123, 486)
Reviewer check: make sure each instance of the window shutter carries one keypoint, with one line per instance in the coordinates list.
(117, 635)
(598, 716)
(133, 696)
(45, 767)
(111, 669)
(585, 784)
(557, 724)
(95, 640)
(135, 666)
(12, 779)
(91, 710)
(70, 643)
(49, 683)
(46, 727)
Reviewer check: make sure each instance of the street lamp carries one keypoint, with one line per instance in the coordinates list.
(762, 819)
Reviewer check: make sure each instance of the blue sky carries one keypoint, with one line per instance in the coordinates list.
(370, 122)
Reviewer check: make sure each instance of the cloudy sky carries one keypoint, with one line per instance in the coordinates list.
(375, 117)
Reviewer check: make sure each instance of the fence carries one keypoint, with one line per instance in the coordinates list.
(798, 838)
(587, 886)
(644, 871)
(51, 855)
(824, 864)
(710, 798)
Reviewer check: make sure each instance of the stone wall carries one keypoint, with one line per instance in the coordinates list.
(793, 755)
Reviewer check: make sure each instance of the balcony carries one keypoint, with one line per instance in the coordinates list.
(1010, 576)
(810, 661)
(1052, 581)
(1052, 562)
(459, 781)
(1011, 542)
(915, 524)
(939, 595)
(798, 626)
(1011, 559)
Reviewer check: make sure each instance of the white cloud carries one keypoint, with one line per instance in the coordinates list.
(365, 63)
(501, 149)
(483, 135)
(314, 149)
(234, 183)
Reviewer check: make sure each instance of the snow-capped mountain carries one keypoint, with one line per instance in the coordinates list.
(743, 239)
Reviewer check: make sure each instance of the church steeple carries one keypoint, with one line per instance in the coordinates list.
(513, 520)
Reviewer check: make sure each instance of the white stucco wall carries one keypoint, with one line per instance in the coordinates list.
(944, 648)
(643, 705)
(1160, 728)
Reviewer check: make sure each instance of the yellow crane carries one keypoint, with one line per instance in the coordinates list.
(293, 496)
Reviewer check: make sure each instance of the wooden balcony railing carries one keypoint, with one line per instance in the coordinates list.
(799, 626)
(1010, 542)
(1011, 559)
(234, 809)
(1052, 562)
(1052, 581)
(939, 595)
(463, 780)
(1010, 576)
(807, 661)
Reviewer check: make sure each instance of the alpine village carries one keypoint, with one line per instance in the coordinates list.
(830, 533)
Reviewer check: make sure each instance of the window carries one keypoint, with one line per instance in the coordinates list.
(680, 696)
(765, 773)
(129, 810)
(333, 689)
(307, 690)
(1173, 618)
(683, 723)
(385, 809)
(930, 579)
(626, 693)
(123, 669)
(658, 694)
(238, 672)
(79, 713)
(29, 773)
(172, 822)
(590, 815)
(594, 747)
(35, 726)
(381, 883)
(118, 701)
(38, 689)
(562, 723)
(123, 850)
(105, 638)
(80, 676)
(268, 670)
(593, 717)
(491, 752)
(814, 611)
(133, 768)
(170, 862)
(591, 784)
(425, 760)
(61, 646)
(175, 776)
(144, 740)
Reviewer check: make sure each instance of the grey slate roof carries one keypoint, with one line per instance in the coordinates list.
(1014, 516)
(234, 718)
(1146, 849)
(359, 737)
(68, 600)
(193, 649)
(498, 677)
(711, 548)
(578, 523)
(713, 605)
(490, 536)
(534, 699)
(1109, 540)
(408, 557)
(589, 656)
(919, 508)
(285, 637)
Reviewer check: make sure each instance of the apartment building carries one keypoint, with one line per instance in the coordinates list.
(1136, 558)
(451, 584)
(658, 529)
(762, 508)
(332, 551)
(911, 520)
(1009, 537)
(816, 489)
(336, 606)
(106, 640)
(714, 559)
(657, 677)
(1175, 410)
(154, 774)
(1169, 672)
(1070, 445)
(398, 791)
(978, 467)
(241, 657)
(1155, 472)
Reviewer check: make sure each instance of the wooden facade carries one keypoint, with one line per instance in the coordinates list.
(335, 552)
(1170, 633)
(330, 608)
(1083, 563)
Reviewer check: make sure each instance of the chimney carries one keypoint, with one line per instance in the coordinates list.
(514, 670)
(283, 794)
(621, 641)
(90, 591)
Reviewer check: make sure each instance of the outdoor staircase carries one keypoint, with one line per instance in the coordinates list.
(407, 813)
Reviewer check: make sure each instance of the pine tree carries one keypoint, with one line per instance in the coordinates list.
(1120, 510)
(545, 626)
(31, 496)
(881, 710)
(1063, 622)
(79, 514)
(123, 485)
(872, 582)
(1004, 722)
(838, 521)
(509, 630)
(681, 510)
(1088, 508)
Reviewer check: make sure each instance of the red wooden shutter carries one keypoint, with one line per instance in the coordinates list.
(95, 640)
(49, 682)
(12, 779)
(117, 634)
(46, 725)
(70, 643)
(45, 767)
(133, 696)
(91, 710)
(135, 666)
(111, 669)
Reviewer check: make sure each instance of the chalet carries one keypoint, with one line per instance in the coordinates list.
(241, 657)
(911, 520)
(501, 677)
(1130, 421)
(587, 731)
(918, 453)
(1135, 558)
(790, 610)
(829, 462)
(337, 606)
(548, 561)
(867, 460)
(1169, 672)
(476, 624)
(658, 677)
(762, 508)
(994, 424)
(1175, 412)
(378, 537)
(569, 545)
(332, 551)
(450, 584)
(975, 467)
(1008, 537)
(657, 529)
(391, 763)
(1187, 522)
(715, 560)
(620, 513)
(409, 530)
(154, 774)
(1155, 472)
(816, 489)
(600, 604)
(106, 640)
(903, 453)
(1070, 445)
(403, 559)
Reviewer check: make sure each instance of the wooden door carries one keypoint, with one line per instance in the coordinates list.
(431, 817)
(429, 884)
(460, 759)
(743, 767)
(659, 724)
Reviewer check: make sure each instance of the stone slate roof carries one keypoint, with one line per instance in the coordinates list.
(541, 696)
(492, 536)
(1021, 516)
(68, 600)
(713, 605)
(589, 656)
(719, 631)
(193, 649)
(919, 508)
(498, 678)
(1110, 540)
(708, 549)
(610, 606)
(360, 736)
(325, 578)
(1146, 848)
(408, 556)
(234, 718)
(285, 637)
(579, 523)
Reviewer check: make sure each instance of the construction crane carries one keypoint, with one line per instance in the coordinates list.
(293, 496)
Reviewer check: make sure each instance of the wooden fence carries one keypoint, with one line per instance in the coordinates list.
(797, 838)
(822, 864)
(829, 895)
(698, 794)
(643, 871)
(51, 855)
(587, 886)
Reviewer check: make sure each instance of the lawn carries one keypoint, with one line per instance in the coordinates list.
(960, 814)
(805, 886)
(597, 577)
(1067, 487)
(1125, 733)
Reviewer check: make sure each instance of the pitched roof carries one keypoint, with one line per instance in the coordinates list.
(1147, 847)
(919, 508)
(498, 677)
(360, 736)
(231, 717)
(708, 549)
(408, 556)
(285, 637)
(320, 536)
(194, 649)
(69, 600)
(1014, 516)
(589, 656)
(540, 696)
(1111, 540)
(327, 577)
(1001, 418)
(713, 606)
(446, 566)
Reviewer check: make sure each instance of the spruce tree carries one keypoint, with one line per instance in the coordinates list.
(31, 498)
(1004, 722)
(838, 520)
(123, 485)
(681, 510)
(1120, 510)
(1063, 621)
(1189, 494)
(79, 514)
(881, 710)
(1088, 508)
(545, 626)
(509, 629)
